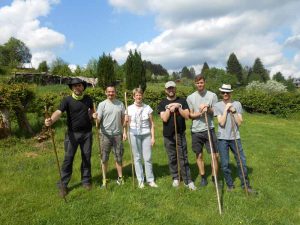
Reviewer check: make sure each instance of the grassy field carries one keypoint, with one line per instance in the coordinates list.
(29, 196)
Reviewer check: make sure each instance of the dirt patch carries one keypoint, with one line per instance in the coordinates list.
(31, 154)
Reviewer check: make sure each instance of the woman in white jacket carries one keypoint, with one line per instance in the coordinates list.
(141, 130)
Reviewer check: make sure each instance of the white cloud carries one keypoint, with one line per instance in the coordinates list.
(195, 31)
(20, 20)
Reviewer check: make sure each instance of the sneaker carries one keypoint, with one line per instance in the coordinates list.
(120, 181)
(141, 185)
(191, 186)
(175, 183)
(153, 184)
(203, 182)
(87, 186)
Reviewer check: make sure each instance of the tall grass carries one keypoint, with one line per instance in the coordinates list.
(29, 195)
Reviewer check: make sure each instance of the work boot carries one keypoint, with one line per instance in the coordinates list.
(203, 182)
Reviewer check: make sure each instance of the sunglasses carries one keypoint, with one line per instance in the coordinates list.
(223, 93)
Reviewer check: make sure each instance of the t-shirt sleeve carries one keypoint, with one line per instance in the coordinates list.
(100, 109)
(150, 110)
(123, 109)
(189, 102)
(214, 100)
(239, 108)
(185, 104)
(63, 105)
(161, 107)
(217, 110)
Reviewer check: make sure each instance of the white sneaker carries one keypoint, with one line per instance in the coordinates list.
(175, 183)
(153, 184)
(141, 185)
(191, 186)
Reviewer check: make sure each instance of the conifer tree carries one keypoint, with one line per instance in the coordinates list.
(105, 71)
(259, 72)
(234, 67)
(135, 71)
(204, 68)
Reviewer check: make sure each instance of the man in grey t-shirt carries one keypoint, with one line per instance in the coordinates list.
(226, 136)
(201, 102)
(111, 114)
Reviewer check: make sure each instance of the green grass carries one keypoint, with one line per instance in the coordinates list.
(29, 196)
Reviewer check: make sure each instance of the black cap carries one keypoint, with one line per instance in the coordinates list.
(77, 81)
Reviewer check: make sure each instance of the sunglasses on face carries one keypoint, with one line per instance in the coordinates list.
(223, 93)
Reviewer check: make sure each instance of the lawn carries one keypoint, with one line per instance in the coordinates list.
(29, 195)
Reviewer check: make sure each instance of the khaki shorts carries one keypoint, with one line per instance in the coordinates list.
(115, 143)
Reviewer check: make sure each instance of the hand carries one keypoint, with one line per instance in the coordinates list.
(152, 142)
(228, 106)
(232, 109)
(124, 136)
(48, 122)
(203, 108)
(95, 115)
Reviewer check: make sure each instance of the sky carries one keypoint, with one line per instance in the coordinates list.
(173, 33)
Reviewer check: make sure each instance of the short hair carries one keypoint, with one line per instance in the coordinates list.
(137, 91)
(110, 85)
(199, 77)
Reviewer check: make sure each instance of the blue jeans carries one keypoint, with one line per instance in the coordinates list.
(223, 147)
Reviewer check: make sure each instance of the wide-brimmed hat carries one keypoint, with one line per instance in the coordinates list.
(77, 81)
(170, 84)
(226, 88)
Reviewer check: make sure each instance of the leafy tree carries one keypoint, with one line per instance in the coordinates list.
(91, 68)
(61, 68)
(204, 68)
(105, 71)
(43, 67)
(78, 71)
(234, 67)
(279, 77)
(192, 72)
(216, 77)
(185, 72)
(135, 71)
(14, 53)
(259, 72)
(289, 83)
(155, 69)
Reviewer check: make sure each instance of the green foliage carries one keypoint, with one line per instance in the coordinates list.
(279, 77)
(14, 53)
(155, 69)
(91, 68)
(234, 67)
(61, 68)
(105, 71)
(271, 86)
(78, 71)
(204, 67)
(186, 73)
(135, 71)
(43, 67)
(258, 72)
(281, 104)
(216, 77)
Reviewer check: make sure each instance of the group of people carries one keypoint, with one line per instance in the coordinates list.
(114, 119)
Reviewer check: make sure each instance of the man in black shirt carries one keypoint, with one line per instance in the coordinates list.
(166, 108)
(79, 108)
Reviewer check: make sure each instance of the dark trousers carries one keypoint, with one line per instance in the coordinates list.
(170, 146)
(72, 140)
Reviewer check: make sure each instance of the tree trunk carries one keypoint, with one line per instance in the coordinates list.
(5, 129)
(23, 122)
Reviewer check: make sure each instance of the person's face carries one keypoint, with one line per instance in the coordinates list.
(138, 97)
(110, 93)
(200, 85)
(226, 95)
(78, 88)
(170, 91)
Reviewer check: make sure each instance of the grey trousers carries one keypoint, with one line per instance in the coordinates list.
(170, 146)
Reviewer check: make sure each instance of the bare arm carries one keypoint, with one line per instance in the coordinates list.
(152, 129)
(54, 117)
(165, 115)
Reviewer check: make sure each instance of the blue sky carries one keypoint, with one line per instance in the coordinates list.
(174, 33)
